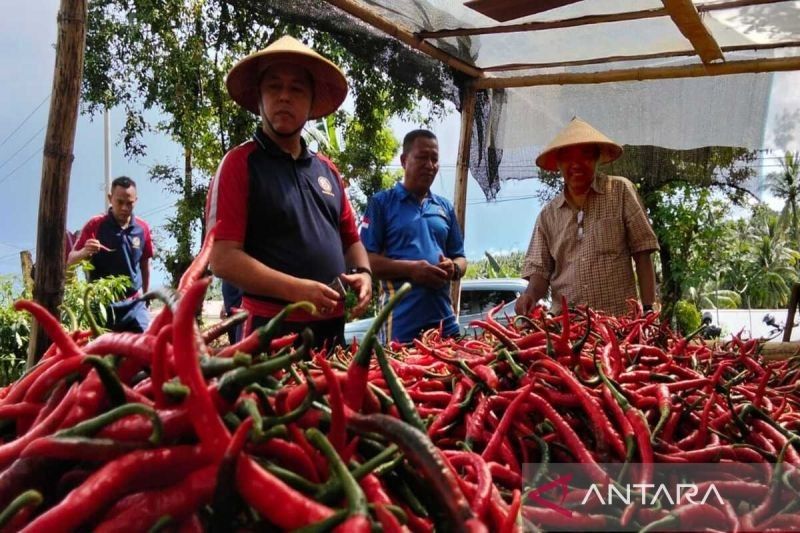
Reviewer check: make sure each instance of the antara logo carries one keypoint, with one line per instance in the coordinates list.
(623, 494)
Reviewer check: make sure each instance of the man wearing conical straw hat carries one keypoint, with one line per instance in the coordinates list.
(285, 231)
(585, 238)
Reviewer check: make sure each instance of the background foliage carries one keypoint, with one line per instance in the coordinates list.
(15, 325)
(168, 59)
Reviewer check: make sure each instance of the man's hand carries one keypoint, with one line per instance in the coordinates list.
(446, 264)
(361, 282)
(525, 303)
(323, 297)
(424, 273)
(91, 247)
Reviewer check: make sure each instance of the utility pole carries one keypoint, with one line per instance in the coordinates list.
(59, 142)
(106, 157)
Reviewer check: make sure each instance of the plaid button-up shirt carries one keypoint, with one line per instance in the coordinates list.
(590, 261)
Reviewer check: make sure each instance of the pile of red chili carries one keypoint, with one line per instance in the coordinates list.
(127, 432)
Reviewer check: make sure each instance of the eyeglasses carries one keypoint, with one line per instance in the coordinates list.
(580, 225)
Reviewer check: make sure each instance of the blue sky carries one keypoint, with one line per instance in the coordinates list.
(27, 37)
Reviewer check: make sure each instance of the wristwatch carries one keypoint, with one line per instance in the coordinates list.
(360, 270)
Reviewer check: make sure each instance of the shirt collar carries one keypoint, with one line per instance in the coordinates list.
(268, 145)
(405, 194)
(131, 224)
(598, 186)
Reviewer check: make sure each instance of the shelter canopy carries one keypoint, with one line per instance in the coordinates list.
(707, 67)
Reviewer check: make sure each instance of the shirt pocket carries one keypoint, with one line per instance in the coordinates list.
(609, 236)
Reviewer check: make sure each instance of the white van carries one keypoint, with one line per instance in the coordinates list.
(478, 297)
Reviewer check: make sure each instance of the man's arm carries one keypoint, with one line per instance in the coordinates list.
(448, 265)
(229, 261)
(537, 289)
(91, 247)
(144, 265)
(361, 282)
(646, 274)
(418, 271)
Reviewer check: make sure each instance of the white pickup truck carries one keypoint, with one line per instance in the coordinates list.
(478, 296)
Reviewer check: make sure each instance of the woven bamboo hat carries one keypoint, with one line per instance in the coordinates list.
(578, 132)
(330, 84)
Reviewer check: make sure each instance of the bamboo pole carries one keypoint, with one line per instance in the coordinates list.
(57, 165)
(585, 20)
(545, 25)
(26, 263)
(751, 66)
(462, 174)
(404, 35)
(685, 16)
(638, 57)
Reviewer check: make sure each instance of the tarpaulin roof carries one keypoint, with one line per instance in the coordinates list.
(706, 64)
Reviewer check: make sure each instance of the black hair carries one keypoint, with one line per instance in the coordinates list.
(413, 135)
(123, 181)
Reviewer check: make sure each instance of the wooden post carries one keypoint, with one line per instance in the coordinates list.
(462, 173)
(789, 324)
(59, 142)
(26, 262)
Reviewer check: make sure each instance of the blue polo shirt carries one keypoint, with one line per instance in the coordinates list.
(398, 226)
(129, 246)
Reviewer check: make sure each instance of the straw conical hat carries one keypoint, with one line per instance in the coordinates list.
(330, 85)
(578, 132)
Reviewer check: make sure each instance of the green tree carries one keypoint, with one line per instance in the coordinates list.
(496, 266)
(767, 264)
(785, 185)
(171, 57)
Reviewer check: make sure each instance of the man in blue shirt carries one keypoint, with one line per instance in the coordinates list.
(412, 235)
(118, 243)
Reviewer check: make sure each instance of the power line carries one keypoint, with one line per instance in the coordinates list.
(24, 121)
(157, 209)
(4, 178)
(8, 256)
(30, 140)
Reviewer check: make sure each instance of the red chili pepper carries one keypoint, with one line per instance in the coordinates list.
(604, 433)
(11, 450)
(207, 423)
(483, 476)
(338, 431)
(53, 375)
(276, 501)
(158, 371)
(138, 346)
(510, 523)
(135, 471)
(199, 263)
(388, 521)
(453, 408)
(66, 345)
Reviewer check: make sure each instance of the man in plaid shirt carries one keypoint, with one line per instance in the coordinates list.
(585, 238)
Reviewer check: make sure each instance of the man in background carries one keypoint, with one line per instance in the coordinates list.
(587, 239)
(118, 243)
(412, 235)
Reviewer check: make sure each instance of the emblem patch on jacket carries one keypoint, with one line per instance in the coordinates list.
(325, 185)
